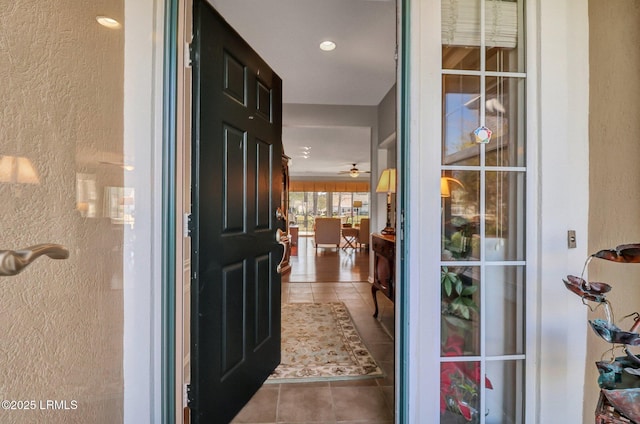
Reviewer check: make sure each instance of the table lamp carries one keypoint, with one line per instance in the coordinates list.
(387, 184)
(357, 204)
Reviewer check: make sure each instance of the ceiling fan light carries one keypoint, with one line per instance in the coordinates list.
(354, 173)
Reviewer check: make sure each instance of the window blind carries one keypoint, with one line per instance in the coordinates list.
(461, 23)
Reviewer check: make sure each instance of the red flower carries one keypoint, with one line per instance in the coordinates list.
(445, 376)
(445, 383)
(476, 376)
(487, 383)
(452, 372)
(464, 410)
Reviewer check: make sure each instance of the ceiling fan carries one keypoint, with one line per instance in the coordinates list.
(354, 172)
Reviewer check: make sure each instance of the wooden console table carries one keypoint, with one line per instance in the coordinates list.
(384, 249)
(293, 235)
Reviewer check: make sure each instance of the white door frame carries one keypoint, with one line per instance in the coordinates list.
(557, 200)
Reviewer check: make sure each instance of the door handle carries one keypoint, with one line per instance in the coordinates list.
(12, 262)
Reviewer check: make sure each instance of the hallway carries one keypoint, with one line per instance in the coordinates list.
(368, 401)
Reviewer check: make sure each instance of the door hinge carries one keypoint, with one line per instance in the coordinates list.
(188, 55)
(187, 225)
(186, 396)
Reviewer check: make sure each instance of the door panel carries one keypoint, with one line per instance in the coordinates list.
(234, 143)
(264, 172)
(236, 188)
(233, 313)
(263, 299)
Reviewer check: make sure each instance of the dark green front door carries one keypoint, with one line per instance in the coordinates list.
(236, 183)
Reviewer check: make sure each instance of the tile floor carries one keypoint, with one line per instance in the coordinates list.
(368, 401)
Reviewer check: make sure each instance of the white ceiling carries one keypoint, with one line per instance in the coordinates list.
(360, 71)
(327, 159)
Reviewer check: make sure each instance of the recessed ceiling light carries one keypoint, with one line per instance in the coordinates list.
(327, 46)
(108, 22)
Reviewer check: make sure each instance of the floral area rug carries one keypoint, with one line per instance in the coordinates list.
(320, 343)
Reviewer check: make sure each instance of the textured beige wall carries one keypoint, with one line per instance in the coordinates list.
(61, 91)
(614, 207)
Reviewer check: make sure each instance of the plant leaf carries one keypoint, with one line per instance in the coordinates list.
(468, 302)
(469, 290)
(465, 313)
(458, 322)
(447, 287)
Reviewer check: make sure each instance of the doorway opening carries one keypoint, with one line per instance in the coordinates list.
(349, 281)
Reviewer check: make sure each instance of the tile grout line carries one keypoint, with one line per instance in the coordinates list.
(278, 404)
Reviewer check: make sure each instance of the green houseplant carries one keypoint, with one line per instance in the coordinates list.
(459, 381)
(457, 297)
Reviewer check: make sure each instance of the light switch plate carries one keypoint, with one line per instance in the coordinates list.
(571, 239)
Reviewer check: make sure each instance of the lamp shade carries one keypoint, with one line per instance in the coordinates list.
(445, 190)
(387, 181)
(18, 170)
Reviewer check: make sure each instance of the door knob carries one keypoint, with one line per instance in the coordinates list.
(12, 262)
(279, 214)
